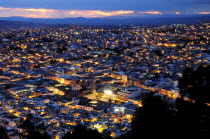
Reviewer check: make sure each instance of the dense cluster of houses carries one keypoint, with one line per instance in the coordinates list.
(70, 75)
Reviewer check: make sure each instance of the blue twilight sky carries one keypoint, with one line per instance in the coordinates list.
(100, 8)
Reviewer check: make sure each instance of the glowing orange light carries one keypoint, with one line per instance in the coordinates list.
(204, 13)
(53, 13)
(150, 12)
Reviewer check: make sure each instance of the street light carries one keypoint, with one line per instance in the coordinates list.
(108, 92)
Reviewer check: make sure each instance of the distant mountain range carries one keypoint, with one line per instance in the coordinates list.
(116, 20)
(18, 24)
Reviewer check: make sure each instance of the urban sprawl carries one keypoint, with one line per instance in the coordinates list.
(94, 76)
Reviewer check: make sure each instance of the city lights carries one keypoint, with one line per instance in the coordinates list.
(108, 92)
(95, 76)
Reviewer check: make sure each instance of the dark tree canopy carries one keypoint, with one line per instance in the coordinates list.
(152, 120)
(195, 84)
(188, 119)
(33, 131)
(81, 132)
(3, 133)
(37, 135)
(156, 119)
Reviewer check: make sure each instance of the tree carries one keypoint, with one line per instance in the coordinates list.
(38, 135)
(193, 118)
(3, 133)
(195, 84)
(188, 119)
(109, 100)
(151, 120)
(28, 125)
(106, 134)
(68, 135)
(33, 131)
(81, 132)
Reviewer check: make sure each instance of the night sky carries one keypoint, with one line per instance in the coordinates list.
(100, 8)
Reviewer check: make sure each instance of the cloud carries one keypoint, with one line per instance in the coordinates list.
(204, 13)
(76, 7)
(108, 5)
(67, 13)
(150, 12)
(98, 13)
(54, 13)
(177, 12)
(3, 8)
